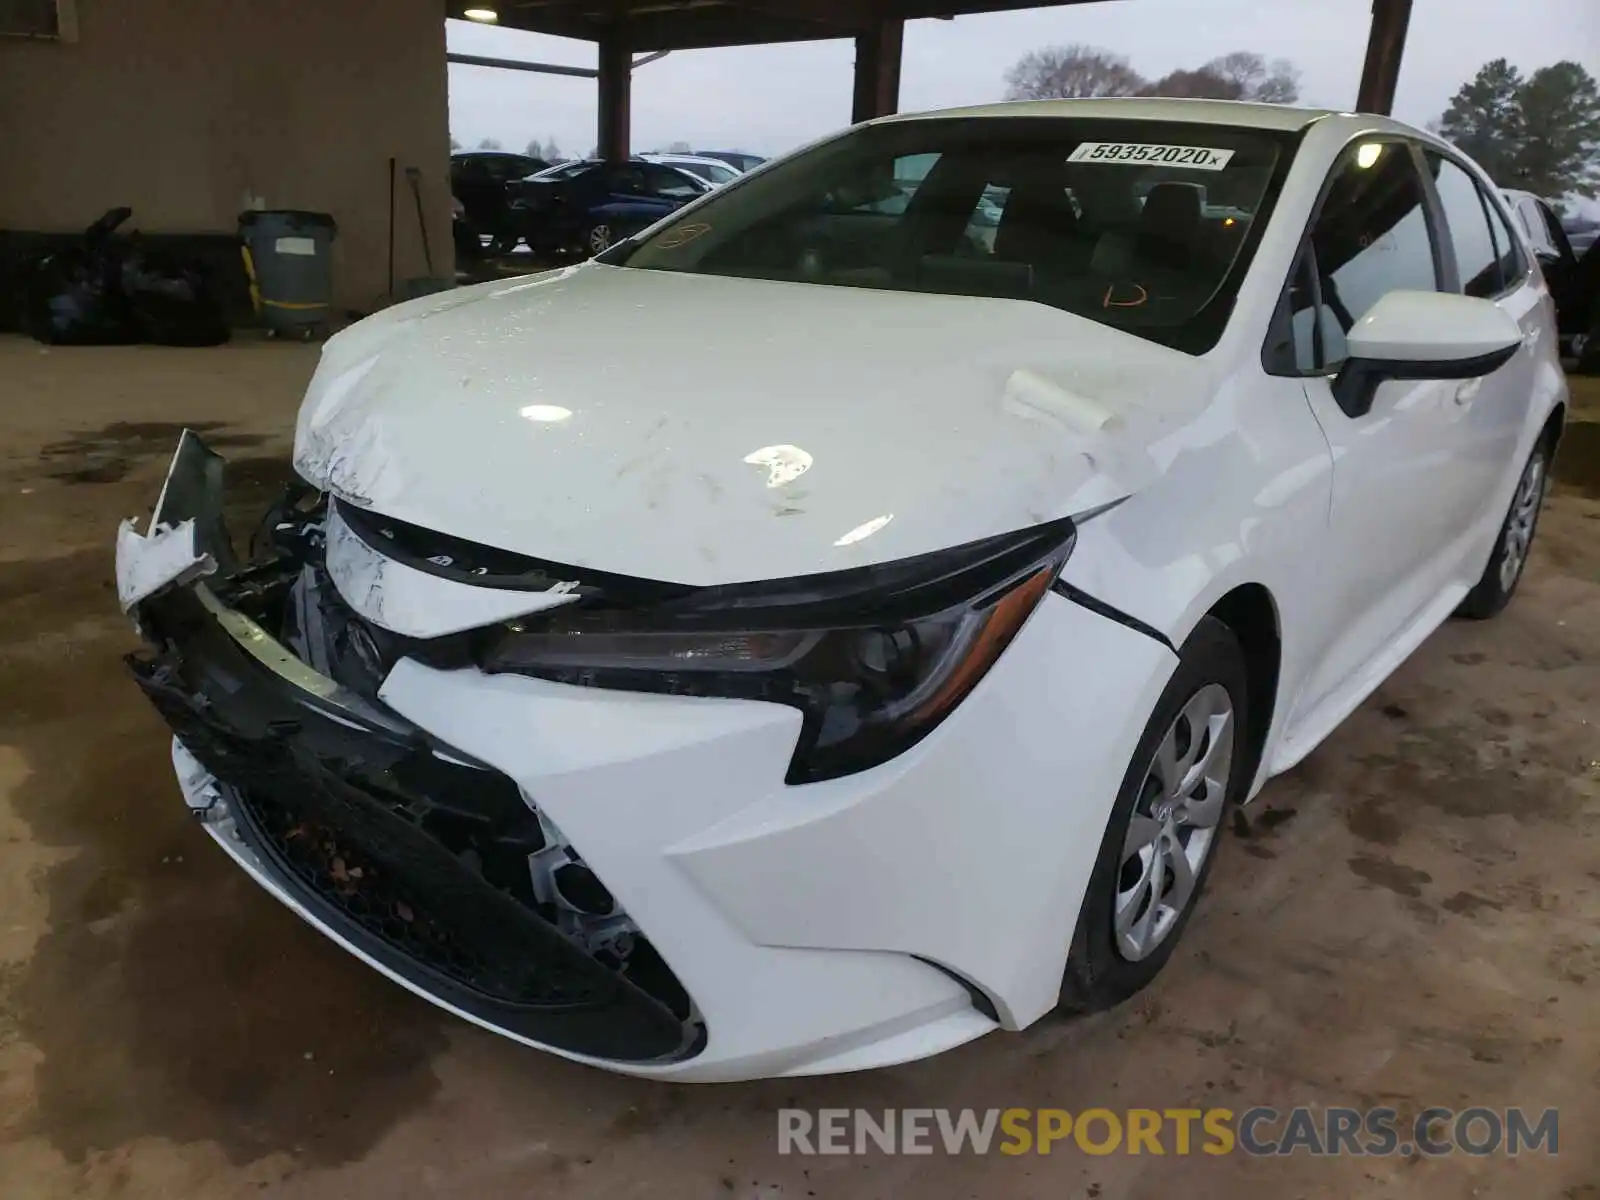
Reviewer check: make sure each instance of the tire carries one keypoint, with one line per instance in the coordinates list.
(598, 238)
(1104, 968)
(1586, 349)
(1513, 543)
(502, 245)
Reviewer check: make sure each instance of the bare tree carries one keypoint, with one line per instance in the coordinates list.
(489, 144)
(535, 149)
(552, 151)
(1277, 82)
(1070, 72)
(679, 148)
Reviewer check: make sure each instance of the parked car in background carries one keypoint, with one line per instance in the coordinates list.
(1581, 231)
(734, 158)
(481, 180)
(1573, 276)
(582, 208)
(713, 170)
(895, 683)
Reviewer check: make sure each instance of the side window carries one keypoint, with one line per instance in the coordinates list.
(1370, 238)
(1532, 222)
(667, 183)
(1513, 263)
(1477, 257)
(1556, 235)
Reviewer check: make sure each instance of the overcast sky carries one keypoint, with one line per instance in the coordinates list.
(768, 99)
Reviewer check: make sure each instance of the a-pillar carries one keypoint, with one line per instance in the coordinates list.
(878, 51)
(616, 94)
(1386, 46)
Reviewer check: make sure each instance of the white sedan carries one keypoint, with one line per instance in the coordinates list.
(890, 684)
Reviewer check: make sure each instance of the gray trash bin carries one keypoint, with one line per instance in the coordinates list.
(288, 257)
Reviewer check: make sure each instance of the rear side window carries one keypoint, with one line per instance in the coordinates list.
(1370, 238)
(1489, 256)
(1513, 263)
(1477, 257)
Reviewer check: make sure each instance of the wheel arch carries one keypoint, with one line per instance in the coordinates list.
(1554, 426)
(1250, 611)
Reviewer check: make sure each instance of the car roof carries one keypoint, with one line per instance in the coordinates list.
(676, 156)
(1201, 112)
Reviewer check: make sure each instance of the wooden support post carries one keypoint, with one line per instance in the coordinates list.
(616, 94)
(878, 53)
(1386, 46)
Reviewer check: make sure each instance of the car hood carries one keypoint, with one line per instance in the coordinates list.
(707, 430)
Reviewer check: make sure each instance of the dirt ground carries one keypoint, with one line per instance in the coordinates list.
(1408, 919)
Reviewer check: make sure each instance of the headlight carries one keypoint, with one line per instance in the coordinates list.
(874, 657)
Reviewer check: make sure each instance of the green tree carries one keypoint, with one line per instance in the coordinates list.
(1560, 107)
(1485, 120)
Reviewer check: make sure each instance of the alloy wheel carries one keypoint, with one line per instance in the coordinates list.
(1174, 823)
(1520, 524)
(599, 239)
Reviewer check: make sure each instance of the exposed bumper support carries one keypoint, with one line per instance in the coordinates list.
(409, 852)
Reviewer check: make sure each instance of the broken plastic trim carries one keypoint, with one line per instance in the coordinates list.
(416, 853)
(462, 561)
(1083, 600)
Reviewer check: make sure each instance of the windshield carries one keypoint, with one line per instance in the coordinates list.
(1144, 225)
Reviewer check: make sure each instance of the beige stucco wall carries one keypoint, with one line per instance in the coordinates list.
(179, 108)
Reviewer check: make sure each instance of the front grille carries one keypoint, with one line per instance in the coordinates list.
(413, 914)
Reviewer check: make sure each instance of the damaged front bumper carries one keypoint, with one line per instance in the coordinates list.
(419, 859)
(621, 878)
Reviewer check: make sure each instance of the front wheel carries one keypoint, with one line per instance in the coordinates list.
(1159, 846)
(1500, 578)
(597, 238)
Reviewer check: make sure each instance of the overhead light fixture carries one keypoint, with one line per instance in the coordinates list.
(487, 15)
(1368, 155)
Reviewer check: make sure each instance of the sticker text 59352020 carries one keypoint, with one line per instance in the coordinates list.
(1141, 154)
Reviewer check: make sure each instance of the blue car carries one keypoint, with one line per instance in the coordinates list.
(582, 208)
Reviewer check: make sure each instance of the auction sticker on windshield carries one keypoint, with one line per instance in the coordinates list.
(1198, 158)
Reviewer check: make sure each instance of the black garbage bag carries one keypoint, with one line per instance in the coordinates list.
(108, 290)
(74, 296)
(172, 301)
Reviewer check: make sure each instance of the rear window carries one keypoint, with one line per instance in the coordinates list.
(1144, 225)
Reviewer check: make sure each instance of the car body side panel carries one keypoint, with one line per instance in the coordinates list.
(1225, 512)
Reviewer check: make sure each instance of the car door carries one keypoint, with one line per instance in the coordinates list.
(474, 186)
(1400, 502)
(1490, 263)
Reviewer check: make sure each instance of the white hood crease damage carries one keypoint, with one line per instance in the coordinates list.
(561, 417)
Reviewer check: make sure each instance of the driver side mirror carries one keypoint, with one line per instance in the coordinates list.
(1423, 335)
